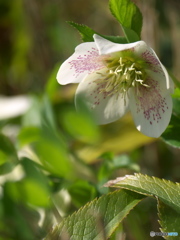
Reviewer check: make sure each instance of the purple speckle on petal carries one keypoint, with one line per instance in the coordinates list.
(87, 63)
(152, 61)
(150, 102)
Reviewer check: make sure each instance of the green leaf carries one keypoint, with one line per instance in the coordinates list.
(176, 93)
(109, 165)
(164, 190)
(97, 219)
(169, 220)
(175, 80)
(33, 188)
(81, 192)
(8, 155)
(87, 34)
(52, 87)
(80, 125)
(129, 16)
(171, 135)
(54, 157)
(28, 135)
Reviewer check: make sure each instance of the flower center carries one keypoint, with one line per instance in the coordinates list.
(122, 74)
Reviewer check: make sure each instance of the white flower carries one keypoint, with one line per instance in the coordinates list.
(115, 78)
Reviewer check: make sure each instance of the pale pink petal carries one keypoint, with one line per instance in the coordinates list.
(107, 47)
(166, 84)
(151, 108)
(154, 64)
(85, 60)
(105, 107)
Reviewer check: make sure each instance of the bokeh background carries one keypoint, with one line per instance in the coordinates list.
(35, 39)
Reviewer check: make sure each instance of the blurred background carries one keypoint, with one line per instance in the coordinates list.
(54, 160)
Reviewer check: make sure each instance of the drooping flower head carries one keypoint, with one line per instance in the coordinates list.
(114, 78)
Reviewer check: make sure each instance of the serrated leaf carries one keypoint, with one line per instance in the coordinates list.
(171, 135)
(87, 34)
(85, 31)
(167, 191)
(129, 16)
(169, 220)
(97, 219)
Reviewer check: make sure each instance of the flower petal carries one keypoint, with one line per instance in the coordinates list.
(155, 65)
(165, 83)
(85, 60)
(151, 109)
(107, 47)
(105, 106)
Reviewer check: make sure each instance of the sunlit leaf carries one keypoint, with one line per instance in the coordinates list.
(167, 191)
(97, 219)
(129, 16)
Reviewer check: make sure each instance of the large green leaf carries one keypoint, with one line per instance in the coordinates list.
(167, 191)
(129, 16)
(169, 221)
(97, 219)
(87, 34)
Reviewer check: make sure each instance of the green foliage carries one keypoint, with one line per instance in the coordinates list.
(169, 219)
(87, 34)
(85, 31)
(80, 125)
(98, 219)
(129, 16)
(166, 191)
(171, 135)
(8, 155)
(33, 188)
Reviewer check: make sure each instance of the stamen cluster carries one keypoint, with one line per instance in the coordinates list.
(121, 75)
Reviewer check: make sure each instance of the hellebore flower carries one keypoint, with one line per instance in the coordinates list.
(114, 78)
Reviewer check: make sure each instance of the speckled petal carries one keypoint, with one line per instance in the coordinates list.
(85, 60)
(105, 107)
(151, 108)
